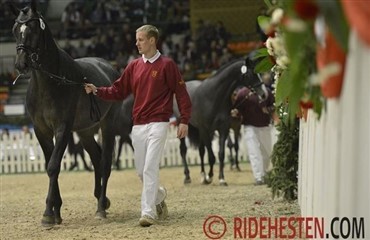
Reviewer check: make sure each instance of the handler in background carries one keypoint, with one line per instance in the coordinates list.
(257, 119)
(153, 79)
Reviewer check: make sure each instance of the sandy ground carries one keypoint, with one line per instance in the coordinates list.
(23, 201)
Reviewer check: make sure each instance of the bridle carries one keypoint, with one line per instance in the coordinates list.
(34, 56)
(33, 53)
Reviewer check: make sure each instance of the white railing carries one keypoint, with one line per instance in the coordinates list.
(19, 153)
(335, 149)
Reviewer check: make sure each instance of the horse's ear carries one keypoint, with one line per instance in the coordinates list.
(248, 61)
(13, 8)
(34, 6)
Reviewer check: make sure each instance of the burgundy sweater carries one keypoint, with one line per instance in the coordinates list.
(251, 109)
(153, 86)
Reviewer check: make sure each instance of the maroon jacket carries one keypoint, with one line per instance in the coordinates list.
(153, 86)
(252, 110)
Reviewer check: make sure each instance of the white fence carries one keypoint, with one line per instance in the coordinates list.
(334, 153)
(21, 154)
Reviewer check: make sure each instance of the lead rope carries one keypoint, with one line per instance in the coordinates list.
(95, 113)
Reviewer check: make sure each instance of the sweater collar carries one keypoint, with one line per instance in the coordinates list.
(152, 59)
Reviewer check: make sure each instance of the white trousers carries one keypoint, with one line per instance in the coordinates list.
(148, 141)
(259, 148)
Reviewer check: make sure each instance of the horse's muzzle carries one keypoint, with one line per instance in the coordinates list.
(21, 62)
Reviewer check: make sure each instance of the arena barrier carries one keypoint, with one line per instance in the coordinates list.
(21, 153)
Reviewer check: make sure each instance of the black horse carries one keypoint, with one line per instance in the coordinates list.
(211, 106)
(57, 105)
(235, 125)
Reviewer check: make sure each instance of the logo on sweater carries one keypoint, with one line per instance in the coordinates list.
(154, 73)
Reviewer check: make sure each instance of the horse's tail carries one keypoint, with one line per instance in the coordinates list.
(194, 136)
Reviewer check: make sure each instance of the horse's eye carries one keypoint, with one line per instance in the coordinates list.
(244, 69)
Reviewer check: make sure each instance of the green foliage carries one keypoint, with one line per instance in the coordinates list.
(283, 177)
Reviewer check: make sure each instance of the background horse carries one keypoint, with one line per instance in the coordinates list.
(58, 104)
(123, 126)
(75, 149)
(211, 106)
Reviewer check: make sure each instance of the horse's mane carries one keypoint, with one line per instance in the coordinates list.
(223, 67)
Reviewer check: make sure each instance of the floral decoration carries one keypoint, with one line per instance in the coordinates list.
(296, 29)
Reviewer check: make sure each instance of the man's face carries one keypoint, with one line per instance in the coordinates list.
(143, 43)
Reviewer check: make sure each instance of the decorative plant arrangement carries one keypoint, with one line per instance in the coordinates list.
(305, 50)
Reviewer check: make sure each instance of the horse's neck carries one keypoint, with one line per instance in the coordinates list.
(220, 88)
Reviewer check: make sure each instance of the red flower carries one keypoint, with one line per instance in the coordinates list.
(306, 9)
(306, 105)
(270, 32)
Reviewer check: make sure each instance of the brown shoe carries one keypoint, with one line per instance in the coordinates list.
(162, 210)
(146, 221)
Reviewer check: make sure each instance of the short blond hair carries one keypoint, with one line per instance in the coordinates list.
(150, 30)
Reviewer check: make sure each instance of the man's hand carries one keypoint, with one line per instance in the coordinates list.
(234, 112)
(90, 88)
(182, 131)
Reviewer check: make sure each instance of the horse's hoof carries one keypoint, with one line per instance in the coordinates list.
(187, 181)
(101, 215)
(48, 221)
(209, 180)
(107, 204)
(58, 220)
(223, 182)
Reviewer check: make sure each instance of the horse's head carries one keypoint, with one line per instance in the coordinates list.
(251, 79)
(28, 30)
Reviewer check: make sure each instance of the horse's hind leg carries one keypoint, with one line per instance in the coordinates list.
(230, 145)
(221, 157)
(183, 150)
(120, 144)
(236, 147)
(80, 151)
(95, 152)
(106, 164)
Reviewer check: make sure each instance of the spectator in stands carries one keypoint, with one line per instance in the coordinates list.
(70, 49)
(225, 57)
(5, 134)
(71, 19)
(221, 32)
(259, 30)
(121, 61)
(81, 49)
(92, 47)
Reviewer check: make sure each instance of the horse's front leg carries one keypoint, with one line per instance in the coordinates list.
(221, 157)
(183, 150)
(52, 213)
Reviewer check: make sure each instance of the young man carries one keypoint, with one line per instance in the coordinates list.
(256, 118)
(153, 80)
